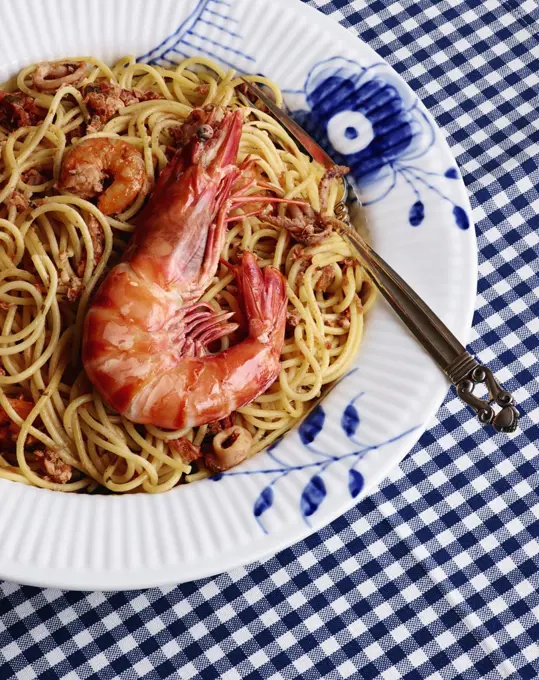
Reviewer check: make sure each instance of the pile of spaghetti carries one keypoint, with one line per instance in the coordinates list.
(55, 249)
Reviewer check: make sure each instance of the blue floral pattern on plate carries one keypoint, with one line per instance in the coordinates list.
(318, 461)
(366, 119)
(189, 38)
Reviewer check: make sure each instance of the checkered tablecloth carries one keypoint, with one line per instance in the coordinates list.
(436, 575)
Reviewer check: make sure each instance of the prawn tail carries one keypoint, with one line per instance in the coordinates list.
(264, 300)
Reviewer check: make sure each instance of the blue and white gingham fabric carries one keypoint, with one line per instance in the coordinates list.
(437, 574)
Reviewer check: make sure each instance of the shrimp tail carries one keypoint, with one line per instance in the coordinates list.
(264, 299)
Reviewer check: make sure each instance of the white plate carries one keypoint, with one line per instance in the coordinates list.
(417, 209)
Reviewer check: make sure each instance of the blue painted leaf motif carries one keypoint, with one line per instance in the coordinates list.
(461, 218)
(263, 502)
(417, 214)
(312, 496)
(312, 425)
(274, 444)
(350, 420)
(451, 173)
(355, 482)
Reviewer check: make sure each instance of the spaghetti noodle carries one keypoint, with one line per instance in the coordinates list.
(55, 249)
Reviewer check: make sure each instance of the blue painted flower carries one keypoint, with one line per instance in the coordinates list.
(364, 121)
(368, 119)
(364, 117)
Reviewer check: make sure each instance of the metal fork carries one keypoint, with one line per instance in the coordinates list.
(462, 369)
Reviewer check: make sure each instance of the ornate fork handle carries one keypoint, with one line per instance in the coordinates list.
(505, 420)
(458, 365)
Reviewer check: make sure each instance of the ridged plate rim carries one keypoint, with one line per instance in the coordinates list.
(81, 573)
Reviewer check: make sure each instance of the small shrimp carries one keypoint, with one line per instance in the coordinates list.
(49, 76)
(146, 334)
(86, 167)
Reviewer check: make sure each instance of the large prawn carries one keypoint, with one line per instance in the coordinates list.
(146, 333)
